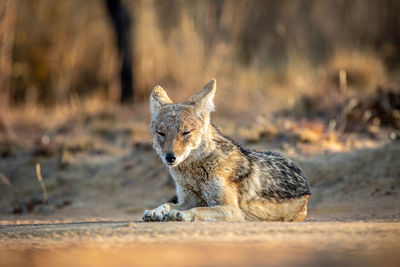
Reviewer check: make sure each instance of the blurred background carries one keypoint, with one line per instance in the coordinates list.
(308, 78)
(54, 51)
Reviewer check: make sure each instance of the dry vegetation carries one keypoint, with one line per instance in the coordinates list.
(257, 50)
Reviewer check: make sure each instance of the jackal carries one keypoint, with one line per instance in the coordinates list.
(216, 179)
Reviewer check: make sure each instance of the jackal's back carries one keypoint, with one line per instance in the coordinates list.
(267, 175)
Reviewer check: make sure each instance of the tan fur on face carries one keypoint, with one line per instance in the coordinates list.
(215, 178)
(174, 120)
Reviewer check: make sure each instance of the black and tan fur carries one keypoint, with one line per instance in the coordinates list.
(216, 179)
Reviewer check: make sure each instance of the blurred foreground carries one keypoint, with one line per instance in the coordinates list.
(124, 243)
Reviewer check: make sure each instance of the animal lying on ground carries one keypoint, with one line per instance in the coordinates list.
(216, 179)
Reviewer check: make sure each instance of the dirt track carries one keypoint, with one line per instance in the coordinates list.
(111, 243)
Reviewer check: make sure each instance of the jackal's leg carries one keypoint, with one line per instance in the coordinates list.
(290, 210)
(187, 201)
(158, 214)
(211, 214)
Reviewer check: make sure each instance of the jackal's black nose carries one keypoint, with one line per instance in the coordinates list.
(170, 158)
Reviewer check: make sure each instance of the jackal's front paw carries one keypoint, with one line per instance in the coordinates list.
(175, 215)
(156, 215)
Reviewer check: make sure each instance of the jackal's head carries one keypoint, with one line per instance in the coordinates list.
(179, 128)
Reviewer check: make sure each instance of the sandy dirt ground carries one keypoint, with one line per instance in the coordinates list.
(123, 243)
(98, 182)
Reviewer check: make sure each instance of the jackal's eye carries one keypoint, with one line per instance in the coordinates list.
(160, 134)
(186, 133)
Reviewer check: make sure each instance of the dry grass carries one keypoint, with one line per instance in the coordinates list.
(364, 70)
(41, 182)
(264, 54)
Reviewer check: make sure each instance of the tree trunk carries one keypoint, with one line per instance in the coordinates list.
(122, 25)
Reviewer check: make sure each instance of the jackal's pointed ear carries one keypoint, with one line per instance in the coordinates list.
(158, 98)
(204, 99)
